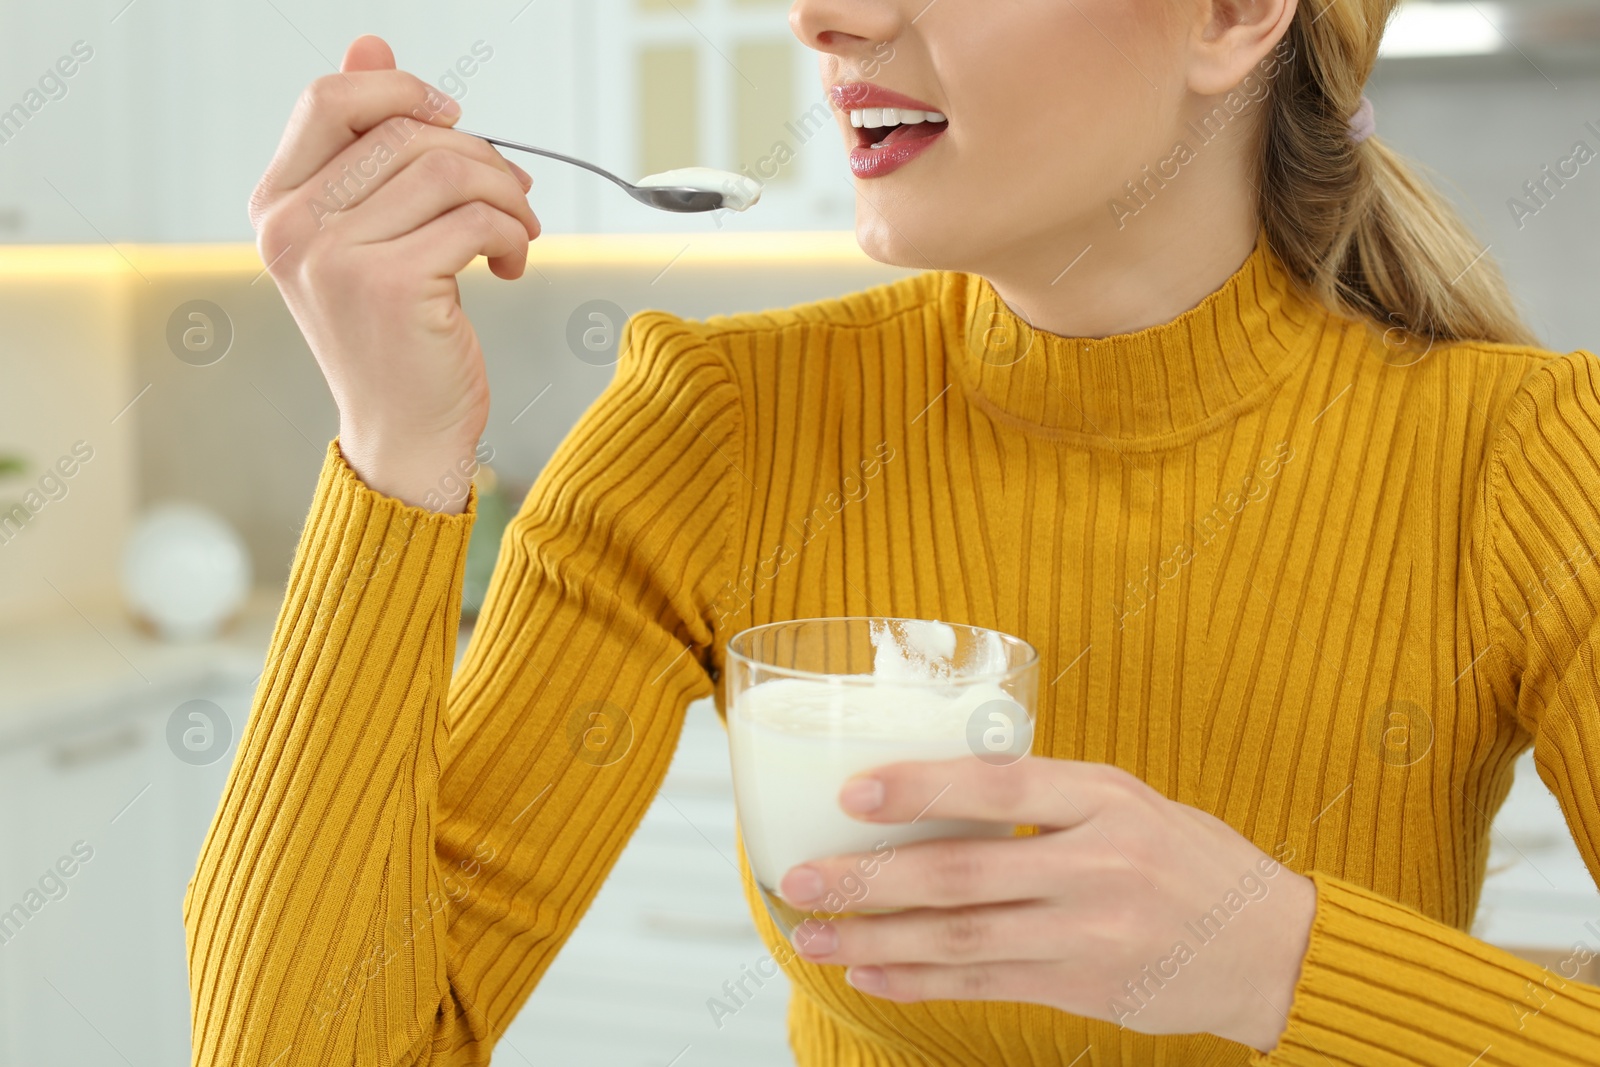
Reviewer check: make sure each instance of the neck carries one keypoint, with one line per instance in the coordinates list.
(1141, 388)
(1123, 269)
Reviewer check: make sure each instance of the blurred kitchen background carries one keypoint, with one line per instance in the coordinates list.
(162, 424)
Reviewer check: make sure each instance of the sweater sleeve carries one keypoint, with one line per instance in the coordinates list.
(399, 853)
(1381, 984)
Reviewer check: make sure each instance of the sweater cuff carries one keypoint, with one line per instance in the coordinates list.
(390, 530)
(1383, 985)
(337, 474)
(372, 562)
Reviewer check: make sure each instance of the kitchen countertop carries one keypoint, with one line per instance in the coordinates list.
(92, 654)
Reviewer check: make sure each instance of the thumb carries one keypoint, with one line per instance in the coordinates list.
(368, 52)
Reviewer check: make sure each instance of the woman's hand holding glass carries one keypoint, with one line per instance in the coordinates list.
(1125, 906)
(370, 209)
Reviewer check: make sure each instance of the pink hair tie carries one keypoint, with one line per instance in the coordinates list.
(1363, 123)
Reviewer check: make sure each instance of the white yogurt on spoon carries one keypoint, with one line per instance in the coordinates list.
(738, 192)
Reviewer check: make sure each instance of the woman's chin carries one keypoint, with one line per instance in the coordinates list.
(894, 243)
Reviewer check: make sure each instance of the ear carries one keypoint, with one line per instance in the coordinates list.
(1231, 37)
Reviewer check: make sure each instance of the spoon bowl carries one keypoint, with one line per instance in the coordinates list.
(675, 198)
(678, 198)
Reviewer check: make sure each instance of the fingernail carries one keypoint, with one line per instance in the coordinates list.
(867, 979)
(815, 939)
(451, 106)
(802, 885)
(861, 795)
(522, 176)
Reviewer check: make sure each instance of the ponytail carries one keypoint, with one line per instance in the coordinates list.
(1354, 220)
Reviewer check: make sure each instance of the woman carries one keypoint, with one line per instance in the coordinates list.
(1202, 393)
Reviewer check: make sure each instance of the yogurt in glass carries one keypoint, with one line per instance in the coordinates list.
(813, 702)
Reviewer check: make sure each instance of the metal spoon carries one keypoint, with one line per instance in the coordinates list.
(667, 198)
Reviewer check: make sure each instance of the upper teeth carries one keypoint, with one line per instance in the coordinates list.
(872, 118)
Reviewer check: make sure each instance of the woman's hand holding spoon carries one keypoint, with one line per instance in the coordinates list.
(371, 207)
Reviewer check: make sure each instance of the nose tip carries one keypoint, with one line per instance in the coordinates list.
(843, 26)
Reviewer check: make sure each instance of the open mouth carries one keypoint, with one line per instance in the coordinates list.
(892, 129)
(879, 128)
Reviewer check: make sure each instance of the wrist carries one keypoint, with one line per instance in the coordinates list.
(1267, 982)
(428, 473)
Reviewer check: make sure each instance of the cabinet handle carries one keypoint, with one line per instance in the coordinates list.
(96, 749)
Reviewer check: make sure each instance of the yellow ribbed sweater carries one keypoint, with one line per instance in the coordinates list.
(1284, 569)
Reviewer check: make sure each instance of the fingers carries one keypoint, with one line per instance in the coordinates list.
(935, 935)
(431, 171)
(357, 173)
(1032, 791)
(941, 874)
(905, 983)
(368, 52)
(438, 181)
(449, 243)
(334, 112)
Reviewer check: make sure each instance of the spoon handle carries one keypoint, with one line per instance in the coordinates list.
(520, 147)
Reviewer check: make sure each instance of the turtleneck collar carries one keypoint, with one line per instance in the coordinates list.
(1134, 390)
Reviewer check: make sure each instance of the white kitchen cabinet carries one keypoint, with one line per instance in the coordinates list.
(668, 928)
(98, 976)
(163, 133)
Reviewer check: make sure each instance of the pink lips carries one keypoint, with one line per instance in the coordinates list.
(852, 95)
(869, 162)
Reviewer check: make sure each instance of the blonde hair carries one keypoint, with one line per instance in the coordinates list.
(1355, 221)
